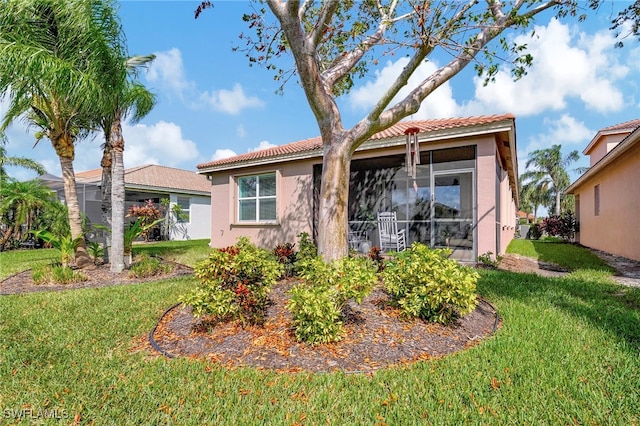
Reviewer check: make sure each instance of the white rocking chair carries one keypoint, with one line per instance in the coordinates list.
(390, 237)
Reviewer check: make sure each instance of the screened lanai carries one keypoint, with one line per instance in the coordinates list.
(436, 208)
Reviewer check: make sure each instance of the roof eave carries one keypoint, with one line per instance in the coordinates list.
(165, 189)
(427, 136)
(621, 148)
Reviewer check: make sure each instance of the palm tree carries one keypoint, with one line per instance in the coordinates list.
(127, 99)
(19, 204)
(51, 55)
(25, 163)
(549, 174)
(533, 196)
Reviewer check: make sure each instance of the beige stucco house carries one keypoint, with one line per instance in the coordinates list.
(464, 194)
(607, 195)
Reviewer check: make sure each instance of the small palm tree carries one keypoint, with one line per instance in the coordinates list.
(25, 163)
(549, 173)
(19, 205)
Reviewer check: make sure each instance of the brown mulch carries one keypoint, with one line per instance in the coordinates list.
(97, 276)
(376, 337)
(376, 334)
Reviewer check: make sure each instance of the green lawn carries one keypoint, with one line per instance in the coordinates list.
(567, 352)
(570, 256)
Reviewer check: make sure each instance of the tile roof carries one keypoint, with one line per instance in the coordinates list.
(397, 130)
(152, 175)
(627, 126)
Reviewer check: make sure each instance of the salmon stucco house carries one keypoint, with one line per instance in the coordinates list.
(607, 195)
(463, 194)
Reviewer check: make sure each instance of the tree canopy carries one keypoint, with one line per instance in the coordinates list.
(334, 42)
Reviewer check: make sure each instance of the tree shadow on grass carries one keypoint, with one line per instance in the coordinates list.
(587, 295)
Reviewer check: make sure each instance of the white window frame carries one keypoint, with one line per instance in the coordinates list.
(187, 211)
(257, 198)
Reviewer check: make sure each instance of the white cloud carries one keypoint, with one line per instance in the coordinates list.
(564, 131)
(566, 65)
(222, 153)
(230, 101)
(226, 152)
(167, 70)
(262, 145)
(241, 131)
(440, 104)
(159, 143)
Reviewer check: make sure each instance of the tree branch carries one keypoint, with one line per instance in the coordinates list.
(326, 15)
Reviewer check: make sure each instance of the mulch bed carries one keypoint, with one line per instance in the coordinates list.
(98, 276)
(376, 337)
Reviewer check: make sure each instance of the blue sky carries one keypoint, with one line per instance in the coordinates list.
(211, 104)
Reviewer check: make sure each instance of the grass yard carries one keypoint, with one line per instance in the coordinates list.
(570, 256)
(568, 352)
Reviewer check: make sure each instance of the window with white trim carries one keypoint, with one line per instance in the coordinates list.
(257, 198)
(184, 214)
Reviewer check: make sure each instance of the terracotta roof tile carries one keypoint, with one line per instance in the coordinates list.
(152, 175)
(397, 130)
(627, 125)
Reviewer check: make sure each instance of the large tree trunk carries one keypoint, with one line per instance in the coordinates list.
(117, 199)
(106, 197)
(75, 221)
(333, 209)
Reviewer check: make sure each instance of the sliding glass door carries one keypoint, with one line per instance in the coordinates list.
(453, 212)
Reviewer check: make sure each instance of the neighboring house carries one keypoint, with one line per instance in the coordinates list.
(185, 188)
(607, 195)
(464, 194)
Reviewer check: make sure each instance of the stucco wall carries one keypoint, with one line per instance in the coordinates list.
(294, 206)
(617, 229)
(486, 198)
(603, 146)
(295, 199)
(199, 225)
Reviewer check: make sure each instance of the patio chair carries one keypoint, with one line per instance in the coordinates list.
(390, 237)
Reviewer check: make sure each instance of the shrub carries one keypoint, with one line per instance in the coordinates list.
(376, 257)
(56, 274)
(307, 250)
(234, 283)
(535, 232)
(316, 316)
(286, 255)
(425, 283)
(317, 304)
(564, 226)
(487, 259)
(95, 250)
(148, 266)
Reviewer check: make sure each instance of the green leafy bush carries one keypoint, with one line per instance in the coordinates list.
(286, 255)
(317, 304)
(535, 232)
(375, 254)
(234, 283)
(307, 251)
(489, 260)
(56, 274)
(95, 250)
(316, 315)
(425, 283)
(148, 266)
